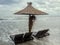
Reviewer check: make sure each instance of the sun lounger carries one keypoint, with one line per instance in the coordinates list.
(41, 34)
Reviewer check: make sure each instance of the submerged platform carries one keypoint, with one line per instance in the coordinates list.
(22, 38)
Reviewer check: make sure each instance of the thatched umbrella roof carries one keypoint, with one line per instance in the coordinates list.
(30, 10)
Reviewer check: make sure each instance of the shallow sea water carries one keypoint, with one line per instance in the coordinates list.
(10, 27)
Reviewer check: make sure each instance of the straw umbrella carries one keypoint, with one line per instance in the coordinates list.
(31, 11)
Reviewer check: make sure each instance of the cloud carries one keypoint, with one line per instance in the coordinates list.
(52, 7)
(8, 2)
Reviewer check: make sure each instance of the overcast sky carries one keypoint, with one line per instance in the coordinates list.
(8, 7)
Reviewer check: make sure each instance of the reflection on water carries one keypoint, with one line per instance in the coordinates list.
(8, 27)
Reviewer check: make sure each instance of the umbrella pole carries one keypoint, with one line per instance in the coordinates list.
(30, 23)
(31, 18)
